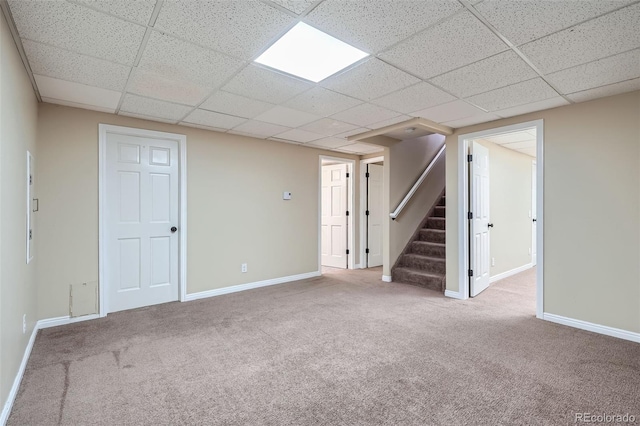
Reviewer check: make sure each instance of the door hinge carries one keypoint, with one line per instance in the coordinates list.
(367, 213)
(470, 215)
(30, 179)
(347, 251)
(469, 158)
(347, 212)
(470, 272)
(366, 251)
(366, 175)
(30, 234)
(347, 174)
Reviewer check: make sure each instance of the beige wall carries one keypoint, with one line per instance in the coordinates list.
(235, 209)
(591, 209)
(18, 107)
(510, 205)
(407, 161)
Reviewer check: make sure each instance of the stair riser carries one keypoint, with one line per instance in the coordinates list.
(439, 211)
(433, 283)
(432, 236)
(442, 201)
(427, 265)
(435, 223)
(427, 250)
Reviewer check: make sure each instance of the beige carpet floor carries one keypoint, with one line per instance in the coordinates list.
(343, 349)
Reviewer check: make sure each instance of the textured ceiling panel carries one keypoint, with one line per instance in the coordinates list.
(361, 148)
(259, 129)
(179, 60)
(448, 112)
(610, 90)
(497, 71)
(230, 103)
(66, 65)
(524, 21)
(613, 69)
(365, 114)
(213, 119)
(330, 143)
(514, 95)
(237, 28)
(53, 88)
(329, 127)
(134, 10)
(370, 80)
(470, 121)
(414, 98)
(287, 117)
(373, 25)
(298, 135)
(153, 108)
(389, 121)
(265, 85)
(78, 28)
(296, 6)
(595, 39)
(322, 102)
(146, 117)
(456, 42)
(151, 85)
(531, 107)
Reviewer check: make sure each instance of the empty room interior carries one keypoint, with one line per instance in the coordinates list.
(327, 212)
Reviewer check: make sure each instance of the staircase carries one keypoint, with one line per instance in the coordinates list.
(423, 261)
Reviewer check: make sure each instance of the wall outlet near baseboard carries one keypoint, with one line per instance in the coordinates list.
(24, 324)
(493, 261)
(243, 268)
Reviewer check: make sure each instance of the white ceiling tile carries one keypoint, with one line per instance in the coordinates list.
(77, 93)
(369, 80)
(328, 127)
(497, 71)
(237, 28)
(470, 121)
(532, 107)
(287, 117)
(389, 122)
(529, 151)
(146, 117)
(330, 143)
(230, 103)
(63, 64)
(373, 25)
(517, 94)
(520, 145)
(613, 69)
(179, 60)
(322, 102)
(513, 138)
(153, 108)
(203, 127)
(595, 39)
(151, 85)
(610, 90)
(296, 6)
(456, 42)
(259, 129)
(298, 135)
(137, 10)
(414, 98)
(361, 148)
(77, 105)
(448, 112)
(357, 131)
(524, 21)
(213, 119)
(265, 85)
(78, 28)
(365, 114)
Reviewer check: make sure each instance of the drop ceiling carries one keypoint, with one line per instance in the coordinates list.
(523, 141)
(456, 63)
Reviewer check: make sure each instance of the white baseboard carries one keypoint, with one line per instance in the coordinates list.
(6, 410)
(249, 286)
(506, 274)
(54, 322)
(596, 328)
(453, 294)
(386, 278)
(357, 266)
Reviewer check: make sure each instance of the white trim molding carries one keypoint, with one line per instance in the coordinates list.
(595, 328)
(387, 278)
(507, 274)
(249, 286)
(363, 206)
(453, 294)
(54, 322)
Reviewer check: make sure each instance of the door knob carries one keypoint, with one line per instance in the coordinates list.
(490, 225)
(174, 229)
(535, 220)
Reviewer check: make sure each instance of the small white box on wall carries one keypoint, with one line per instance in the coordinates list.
(286, 195)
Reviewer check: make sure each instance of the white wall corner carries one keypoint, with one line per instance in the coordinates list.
(454, 294)
(595, 328)
(386, 278)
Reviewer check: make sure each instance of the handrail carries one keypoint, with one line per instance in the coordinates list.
(416, 185)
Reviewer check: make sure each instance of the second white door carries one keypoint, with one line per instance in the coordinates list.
(334, 216)
(374, 218)
(480, 226)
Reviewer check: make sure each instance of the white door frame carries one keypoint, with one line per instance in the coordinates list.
(351, 166)
(103, 129)
(363, 205)
(463, 207)
(534, 214)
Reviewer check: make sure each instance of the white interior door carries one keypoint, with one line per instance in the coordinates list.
(479, 245)
(534, 214)
(141, 259)
(374, 219)
(334, 216)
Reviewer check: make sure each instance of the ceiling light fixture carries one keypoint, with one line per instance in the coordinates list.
(310, 54)
(410, 130)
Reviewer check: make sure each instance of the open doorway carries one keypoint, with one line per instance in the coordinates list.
(371, 178)
(500, 228)
(336, 232)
